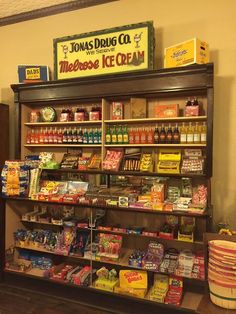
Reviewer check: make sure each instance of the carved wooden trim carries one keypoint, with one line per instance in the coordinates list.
(52, 10)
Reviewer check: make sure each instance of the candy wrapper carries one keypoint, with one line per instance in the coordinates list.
(112, 160)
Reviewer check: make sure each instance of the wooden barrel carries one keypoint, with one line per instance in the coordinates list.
(222, 273)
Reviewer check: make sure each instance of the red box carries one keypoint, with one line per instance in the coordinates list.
(191, 111)
(167, 111)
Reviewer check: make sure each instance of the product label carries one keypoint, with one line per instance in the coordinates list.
(189, 138)
(120, 138)
(183, 138)
(196, 138)
(125, 138)
(114, 138)
(203, 137)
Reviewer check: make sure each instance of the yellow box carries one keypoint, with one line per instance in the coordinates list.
(167, 154)
(105, 284)
(186, 53)
(136, 279)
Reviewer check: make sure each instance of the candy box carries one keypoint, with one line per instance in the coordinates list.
(105, 284)
(167, 111)
(158, 291)
(117, 110)
(186, 230)
(133, 279)
(154, 256)
(138, 108)
(112, 160)
(146, 163)
(186, 53)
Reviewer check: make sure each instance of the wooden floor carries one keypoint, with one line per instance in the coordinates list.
(18, 301)
(15, 301)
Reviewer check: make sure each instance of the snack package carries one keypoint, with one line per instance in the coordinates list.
(95, 162)
(112, 160)
(146, 163)
(70, 161)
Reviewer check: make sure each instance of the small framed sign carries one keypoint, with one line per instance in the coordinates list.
(117, 50)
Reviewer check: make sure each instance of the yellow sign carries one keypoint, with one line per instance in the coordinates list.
(122, 49)
(32, 73)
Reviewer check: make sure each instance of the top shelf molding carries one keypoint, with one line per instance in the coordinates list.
(194, 78)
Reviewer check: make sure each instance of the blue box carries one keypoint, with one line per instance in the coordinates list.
(33, 73)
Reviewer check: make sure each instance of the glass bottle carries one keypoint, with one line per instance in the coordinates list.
(156, 135)
(176, 135)
(41, 136)
(137, 136)
(162, 135)
(28, 137)
(80, 136)
(46, 140)
(64, 137)
(143, 136)
(114, 136)
(96, 136)
(50, 136)
(125, 135)
(69, 135)
(190, 133)
(203, 133)
(74, 136)
(85, 137)
(108, 135)
(169, 135)
(150, 136)
(131, 136)
(183, 133)
(120, 135)
(196, 134)
(90, 136)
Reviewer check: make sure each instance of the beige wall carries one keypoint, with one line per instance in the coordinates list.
(175, 21)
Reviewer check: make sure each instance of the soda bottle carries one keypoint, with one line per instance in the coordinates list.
(196, 134)
(169, 135)
(156, 135)
(143, 136)
(176, 135)
(90, 136)
(108, 135)
(190, 133)
(203, 133)
(162, 135)
(69, 136)
(114, 136)
(150, 136)
(80, 136)
(131, 136)
(74, 136)
(96, 136)
(120, 135)
(85, 137)
(125, 135)
(183, 133)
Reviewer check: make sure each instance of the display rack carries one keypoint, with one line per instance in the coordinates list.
(158, 87)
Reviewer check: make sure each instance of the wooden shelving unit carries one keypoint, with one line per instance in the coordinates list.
(157, 87)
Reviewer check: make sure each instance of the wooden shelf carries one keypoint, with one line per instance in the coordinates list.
(74, 123)
(124, 173)
(153, 120)
(156, 145)
(121, 262)
(205, 214)
(190, 301)
(63, 145)
(114, 232)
